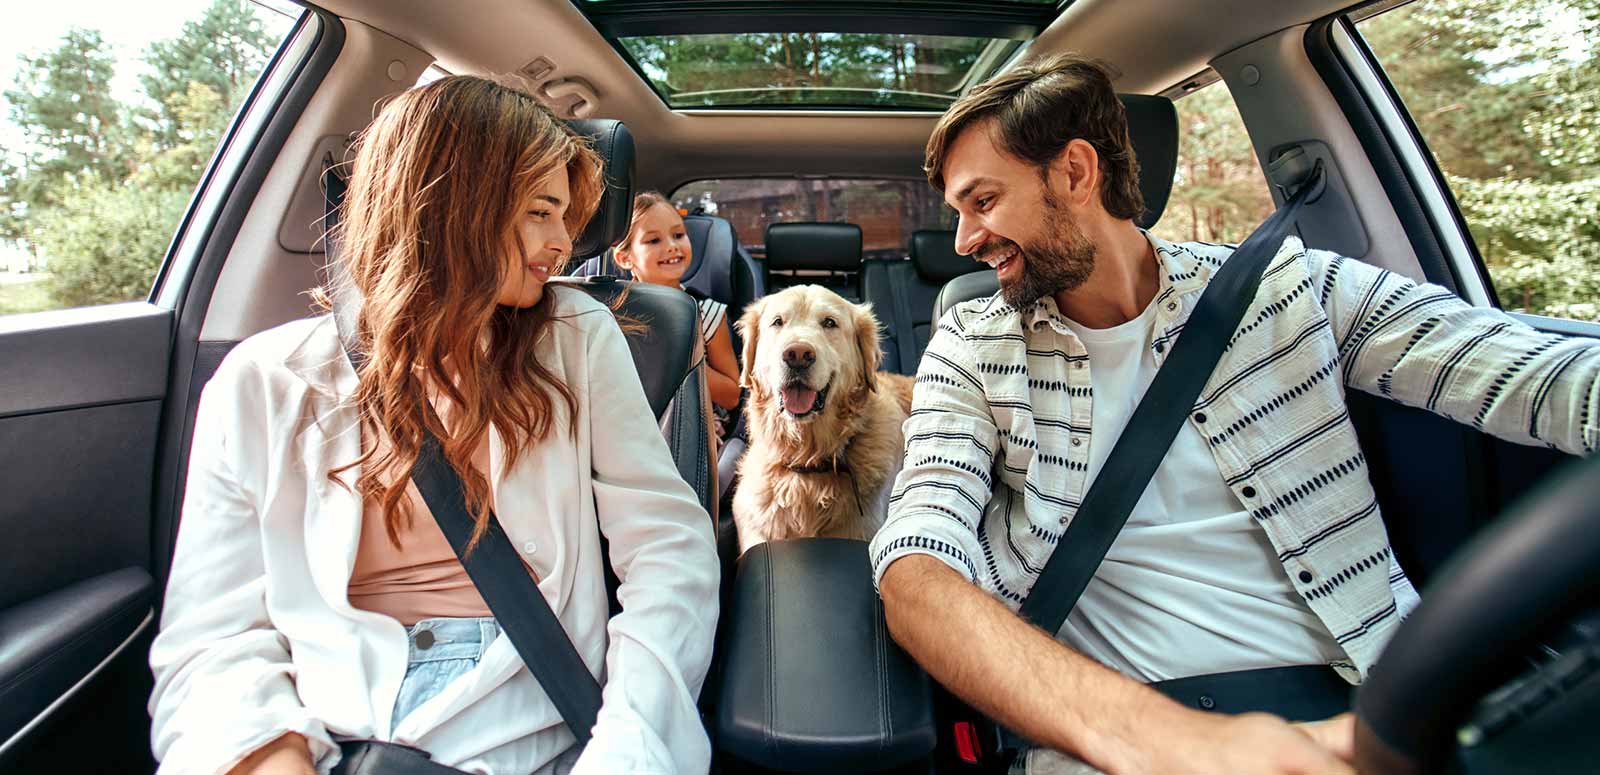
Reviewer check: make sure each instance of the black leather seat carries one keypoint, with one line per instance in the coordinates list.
(1153, 128)
(663, 353)
(798, 251)
(902, 294)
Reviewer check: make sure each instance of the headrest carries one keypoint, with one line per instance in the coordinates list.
(614, 143)
(967, 287)
(934, 255)
(833, 246)
(1153, 128)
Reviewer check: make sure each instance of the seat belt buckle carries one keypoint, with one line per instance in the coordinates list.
(968, 747)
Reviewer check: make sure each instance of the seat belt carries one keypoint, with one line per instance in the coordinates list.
(497, 571)
(1155, 422)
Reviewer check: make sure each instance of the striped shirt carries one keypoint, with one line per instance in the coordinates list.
(997, 442)
(712, 313)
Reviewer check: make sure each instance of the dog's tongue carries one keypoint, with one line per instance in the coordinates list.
(799, 400)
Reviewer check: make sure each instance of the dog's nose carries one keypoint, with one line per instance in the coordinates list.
(799, 356)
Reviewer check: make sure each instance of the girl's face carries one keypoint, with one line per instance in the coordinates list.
(542, 232)
(657, 250)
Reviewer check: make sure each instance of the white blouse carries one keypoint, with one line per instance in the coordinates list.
(258, 637)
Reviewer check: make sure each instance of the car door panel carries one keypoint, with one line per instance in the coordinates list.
(80, 409)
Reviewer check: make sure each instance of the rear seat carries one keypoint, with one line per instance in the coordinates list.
(902, 294)
(805, 253)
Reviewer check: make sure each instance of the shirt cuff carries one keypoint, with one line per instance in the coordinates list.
(931, 533)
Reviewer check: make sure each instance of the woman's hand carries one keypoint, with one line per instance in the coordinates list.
(287, 755)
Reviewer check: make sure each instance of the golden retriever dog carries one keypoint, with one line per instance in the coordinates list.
(824, 423)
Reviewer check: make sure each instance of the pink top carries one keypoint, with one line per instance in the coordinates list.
(423, 578)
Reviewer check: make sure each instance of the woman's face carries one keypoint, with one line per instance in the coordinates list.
(541, 229)
(658, 247)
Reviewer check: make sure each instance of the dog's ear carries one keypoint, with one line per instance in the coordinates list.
(867, 342)
(749, 326)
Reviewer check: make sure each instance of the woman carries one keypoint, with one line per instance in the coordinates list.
(313, 598)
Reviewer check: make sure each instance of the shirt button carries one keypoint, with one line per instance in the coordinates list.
(1305, 577)
(1172, 305)
(1063, 520)
(1077, 364)
(1077, 442)
(530, 547)
(1248, 491)
(1199, 416)
(1161, 347)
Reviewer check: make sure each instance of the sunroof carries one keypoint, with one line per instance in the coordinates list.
(815, 69)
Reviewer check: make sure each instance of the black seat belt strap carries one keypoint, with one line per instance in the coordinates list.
(1143, 444)
(504, 582)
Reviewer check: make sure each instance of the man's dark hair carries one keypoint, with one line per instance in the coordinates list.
(1040, 106)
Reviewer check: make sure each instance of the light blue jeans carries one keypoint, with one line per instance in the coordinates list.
(441, 650)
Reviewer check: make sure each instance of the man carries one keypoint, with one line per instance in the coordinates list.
(1258, 543)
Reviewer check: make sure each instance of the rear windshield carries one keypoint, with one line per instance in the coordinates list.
(887, 210)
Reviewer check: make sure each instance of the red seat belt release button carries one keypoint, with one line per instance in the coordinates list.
(967, 742)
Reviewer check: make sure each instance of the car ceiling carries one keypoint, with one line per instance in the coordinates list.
(1156, 44)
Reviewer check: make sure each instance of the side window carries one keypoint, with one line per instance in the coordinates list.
(1507, 97)
(1219, 193)
(107, 121)
(887, 210)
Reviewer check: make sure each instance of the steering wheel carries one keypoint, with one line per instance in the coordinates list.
(1535, 568)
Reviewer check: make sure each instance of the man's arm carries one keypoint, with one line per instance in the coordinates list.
(1424, 347)
(1050, 694)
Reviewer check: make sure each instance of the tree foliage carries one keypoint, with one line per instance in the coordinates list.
(1508, 99)
(101, 185)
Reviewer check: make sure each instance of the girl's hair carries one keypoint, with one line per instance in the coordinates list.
(642, 202)
(440, 181)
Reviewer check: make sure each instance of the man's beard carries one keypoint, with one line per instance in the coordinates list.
(1060, 261)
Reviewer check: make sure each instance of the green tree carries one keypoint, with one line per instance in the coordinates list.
(222, 51)
(76, 132)
(1219, 193)
(1508, 100)
(105, 241)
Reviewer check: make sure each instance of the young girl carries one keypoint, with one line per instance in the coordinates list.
(656, 250)
(313, 597)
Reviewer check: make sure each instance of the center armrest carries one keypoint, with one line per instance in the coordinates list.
(812, 681)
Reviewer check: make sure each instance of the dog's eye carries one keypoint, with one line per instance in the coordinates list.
(777, 322)
(830, 323)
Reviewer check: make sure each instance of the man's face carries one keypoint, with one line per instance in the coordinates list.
(1012, 220)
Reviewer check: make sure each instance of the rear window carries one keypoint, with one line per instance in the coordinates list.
(887, 210)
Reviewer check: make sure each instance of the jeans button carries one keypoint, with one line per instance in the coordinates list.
(1206, 702)
(424, 639)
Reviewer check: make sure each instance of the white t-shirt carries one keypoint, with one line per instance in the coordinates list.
(1192, 585)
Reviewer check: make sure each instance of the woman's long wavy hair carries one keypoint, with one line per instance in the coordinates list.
(440, 181)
